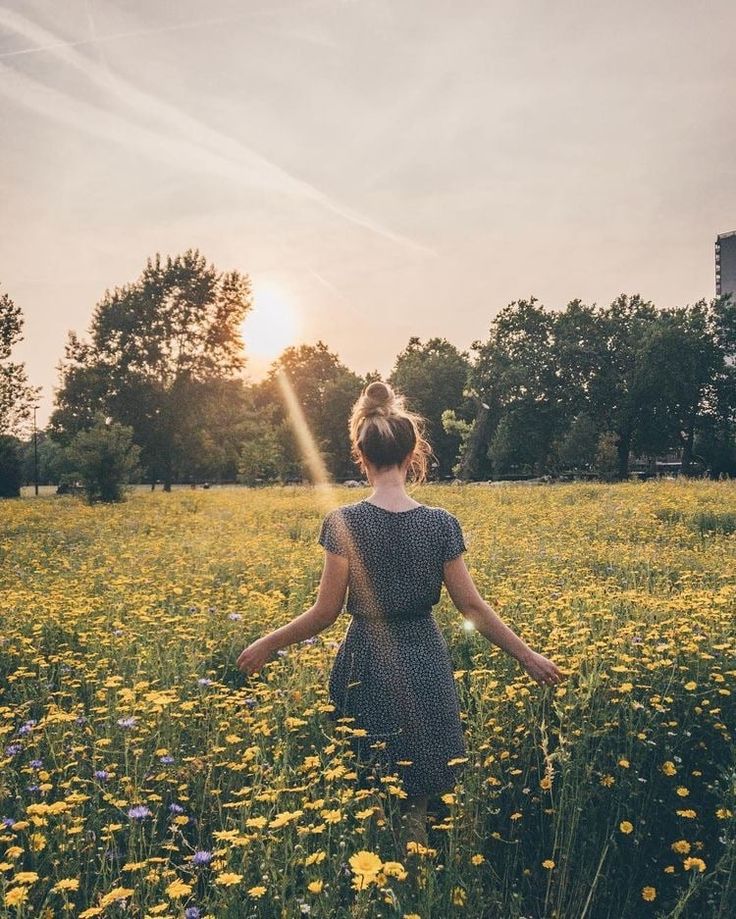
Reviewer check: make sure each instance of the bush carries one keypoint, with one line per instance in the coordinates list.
(10, 467)
(106, 458)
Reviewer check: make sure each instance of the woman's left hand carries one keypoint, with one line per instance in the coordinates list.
(254, 657)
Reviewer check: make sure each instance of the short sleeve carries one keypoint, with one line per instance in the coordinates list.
(333, 535)
(454, 539)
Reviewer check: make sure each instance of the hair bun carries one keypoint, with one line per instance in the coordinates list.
(378, 395)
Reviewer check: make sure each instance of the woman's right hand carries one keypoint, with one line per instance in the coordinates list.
(541, 669)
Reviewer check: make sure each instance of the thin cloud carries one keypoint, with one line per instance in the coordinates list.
(213, 144)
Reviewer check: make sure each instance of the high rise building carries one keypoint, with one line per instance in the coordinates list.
(726, 264)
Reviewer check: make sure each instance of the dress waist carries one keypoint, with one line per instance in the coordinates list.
(401, 615)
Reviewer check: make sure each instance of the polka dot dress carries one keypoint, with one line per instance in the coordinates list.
(392, 672)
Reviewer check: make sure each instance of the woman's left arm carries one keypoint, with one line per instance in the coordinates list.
(322, 614)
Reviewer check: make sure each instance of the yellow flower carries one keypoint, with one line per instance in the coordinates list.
(416, 848)
(690, 685)
(334, 816)
(66, 884)
(315, 886)
(478, 859)
(626, 827)
(545, 783)
(648, 893)
(548, 863)
(395, 870)
(723, 813)
(228, 879)
(669, 768)
(682, 847)
(26, 877)
(607, 780)
(690, 814)
(694, 863)
(365, 863)
(256, 891)
(315, 858)
(459, 896)
(178, 889)
(682, 791)
(256, 822)
(15, 896)
(117, 893)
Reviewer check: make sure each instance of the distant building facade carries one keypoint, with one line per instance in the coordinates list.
(726, 264)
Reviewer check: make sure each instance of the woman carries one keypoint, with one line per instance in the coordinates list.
(393, 674)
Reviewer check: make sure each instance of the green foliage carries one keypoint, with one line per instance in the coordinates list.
(106, 458)
(433, 378)
(10, 467)
(163, 358)
(606, 457)
(16, 396)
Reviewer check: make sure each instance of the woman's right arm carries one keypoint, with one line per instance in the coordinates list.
(465, 596)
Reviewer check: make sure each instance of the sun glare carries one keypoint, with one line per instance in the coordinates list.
(273, 323)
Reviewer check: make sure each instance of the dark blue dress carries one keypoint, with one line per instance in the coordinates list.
(393, 673)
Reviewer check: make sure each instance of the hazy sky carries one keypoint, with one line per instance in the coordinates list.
(387, 168)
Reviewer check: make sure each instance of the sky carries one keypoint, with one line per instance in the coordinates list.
(379, 169)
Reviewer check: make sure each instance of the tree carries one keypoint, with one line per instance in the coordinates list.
(10, 467)
(260, 452)
(325, 390)
(513, 371)
(16, 396)
(433, 378)
(160, 351)
(105, 458)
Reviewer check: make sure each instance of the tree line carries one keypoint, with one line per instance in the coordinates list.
(154, 392)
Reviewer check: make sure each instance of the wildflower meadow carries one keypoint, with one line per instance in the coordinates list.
(143, 775)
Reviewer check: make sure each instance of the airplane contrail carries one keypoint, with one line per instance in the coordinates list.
(227, 150)
(136, 33)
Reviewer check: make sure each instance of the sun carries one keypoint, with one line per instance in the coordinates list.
(273, 323)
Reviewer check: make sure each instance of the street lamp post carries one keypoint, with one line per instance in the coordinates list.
(35, 452)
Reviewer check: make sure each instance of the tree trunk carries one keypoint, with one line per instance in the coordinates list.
(623, 448)
(687, 447)
(473, 459)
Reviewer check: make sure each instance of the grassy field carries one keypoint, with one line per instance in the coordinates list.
(143, 775)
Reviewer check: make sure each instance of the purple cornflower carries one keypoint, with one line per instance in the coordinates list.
(128, 722)
(36, 763)
(8, 821)
(251, 701)
(139, 812)
(176, 808)
(12, 749)
(201, 858)
(234, 617)
(166, 760)
(204, 681)
(27, 727)
(192, 912)
(101, 774)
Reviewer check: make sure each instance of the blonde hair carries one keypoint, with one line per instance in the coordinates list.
(385, 432)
